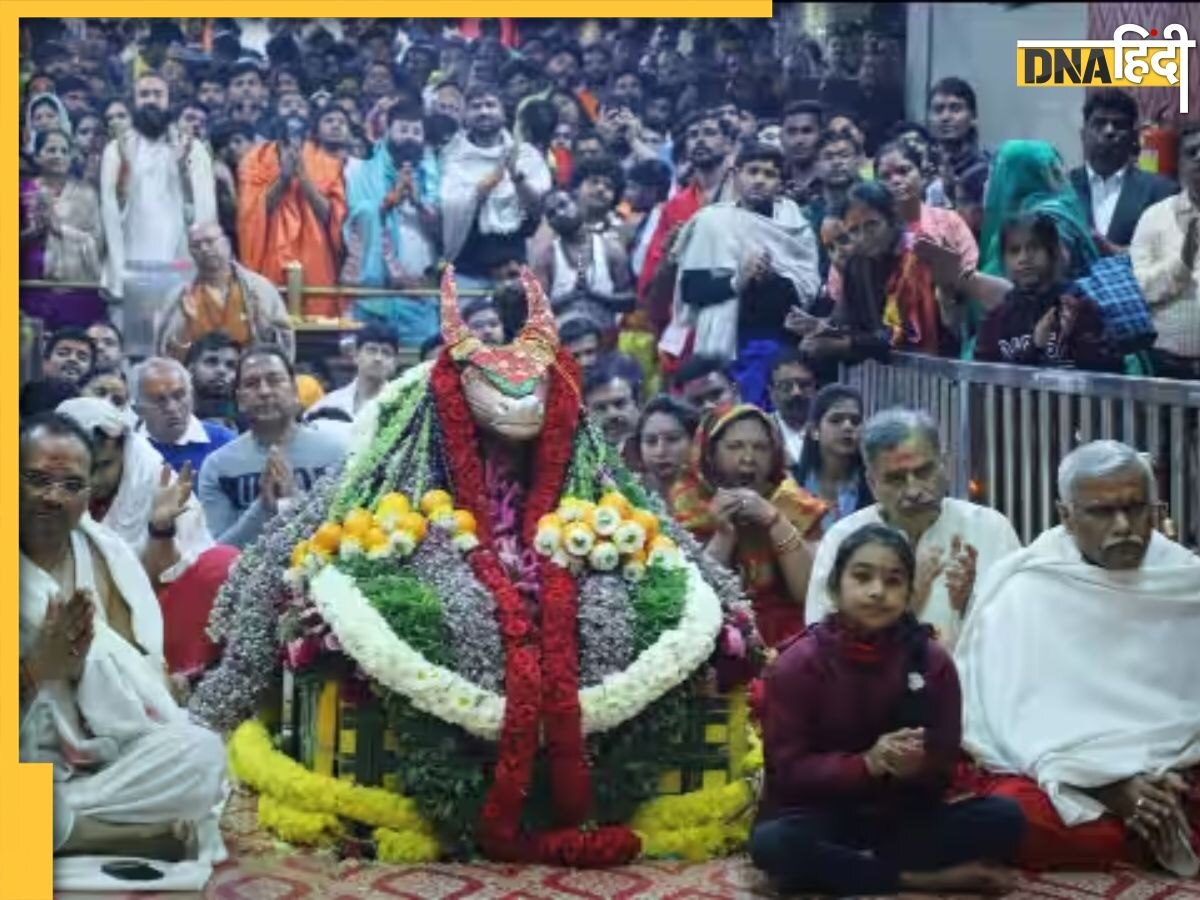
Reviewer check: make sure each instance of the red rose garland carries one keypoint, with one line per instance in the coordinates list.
(541, 678)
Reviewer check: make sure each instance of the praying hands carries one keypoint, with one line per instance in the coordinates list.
(64, 639)
(900, 754)
(277, 481)
(958, 567)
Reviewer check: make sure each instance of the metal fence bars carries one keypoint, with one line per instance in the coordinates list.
(1005, 428)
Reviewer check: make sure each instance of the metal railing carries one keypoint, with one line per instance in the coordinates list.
(1005, 428)
(294, 289)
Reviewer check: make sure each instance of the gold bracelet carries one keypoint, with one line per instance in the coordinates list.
(789, 543)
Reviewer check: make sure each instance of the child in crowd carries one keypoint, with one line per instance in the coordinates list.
(838, 245)
(862, 722)
(1040, 323)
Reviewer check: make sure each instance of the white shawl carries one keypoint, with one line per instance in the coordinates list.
(122, 693)
(1078, 676)
(129, 514)
(721, 237)
(463, 166)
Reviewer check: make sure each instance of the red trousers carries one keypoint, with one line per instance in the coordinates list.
(1049, 844)
(186, 603)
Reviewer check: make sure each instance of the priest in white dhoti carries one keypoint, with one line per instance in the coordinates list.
(133, 775)
(956, 542)
(1080, 670)
(154, 184)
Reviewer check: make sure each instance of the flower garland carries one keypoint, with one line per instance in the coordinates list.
(367, 422)
(605, 535)
(245, 617)
(700, 825)
(297, 826)
(390, 660)
(549, 685)
(695, 826)
(255, 761)
(303, 807)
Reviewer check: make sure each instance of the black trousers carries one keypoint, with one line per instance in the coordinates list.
(846, 852)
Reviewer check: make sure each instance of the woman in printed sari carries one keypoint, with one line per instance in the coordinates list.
(60, 237)
(738, 499)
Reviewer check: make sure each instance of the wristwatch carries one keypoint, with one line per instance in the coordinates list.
(161, 534)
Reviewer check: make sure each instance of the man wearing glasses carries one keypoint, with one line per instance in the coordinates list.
(133, 775)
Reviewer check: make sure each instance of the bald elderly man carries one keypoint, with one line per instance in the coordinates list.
(1080, 669)
(224, 296)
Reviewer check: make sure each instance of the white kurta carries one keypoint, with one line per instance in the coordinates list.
(984, 528)
(1079, 676)
(123, 750)
(152, 224)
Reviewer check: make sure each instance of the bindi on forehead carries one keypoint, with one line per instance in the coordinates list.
(912, 453)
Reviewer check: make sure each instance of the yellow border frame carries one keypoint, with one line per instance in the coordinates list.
(25, 791)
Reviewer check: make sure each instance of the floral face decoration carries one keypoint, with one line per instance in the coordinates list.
(505, 387)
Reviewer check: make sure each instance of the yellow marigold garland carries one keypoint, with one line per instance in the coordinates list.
(296, 826)
(701, 824)
(296, 799)
(393, 846)
(302, 807)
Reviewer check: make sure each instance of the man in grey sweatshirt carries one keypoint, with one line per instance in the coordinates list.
(262, 472)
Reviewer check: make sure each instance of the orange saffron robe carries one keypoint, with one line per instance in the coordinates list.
(267, 242)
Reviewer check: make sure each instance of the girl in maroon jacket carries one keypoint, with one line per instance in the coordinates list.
(861, 728)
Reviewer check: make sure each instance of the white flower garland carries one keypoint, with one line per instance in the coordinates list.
(366, 423)
(387, 658)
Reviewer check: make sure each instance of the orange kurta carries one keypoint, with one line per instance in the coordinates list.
(267, 242)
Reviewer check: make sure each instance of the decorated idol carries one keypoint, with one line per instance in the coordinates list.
(484, 637)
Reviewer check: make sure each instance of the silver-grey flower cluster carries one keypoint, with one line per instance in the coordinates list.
(468, 611)
(605, 627)
(725, 582)
(244, 617)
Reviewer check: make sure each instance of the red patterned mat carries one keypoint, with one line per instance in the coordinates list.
(261, 869)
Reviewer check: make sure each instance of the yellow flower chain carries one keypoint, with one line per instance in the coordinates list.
(304, 807)
(296, 826)
(703, 824)
(393, 846)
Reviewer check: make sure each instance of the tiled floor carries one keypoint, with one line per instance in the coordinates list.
(261, 869)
